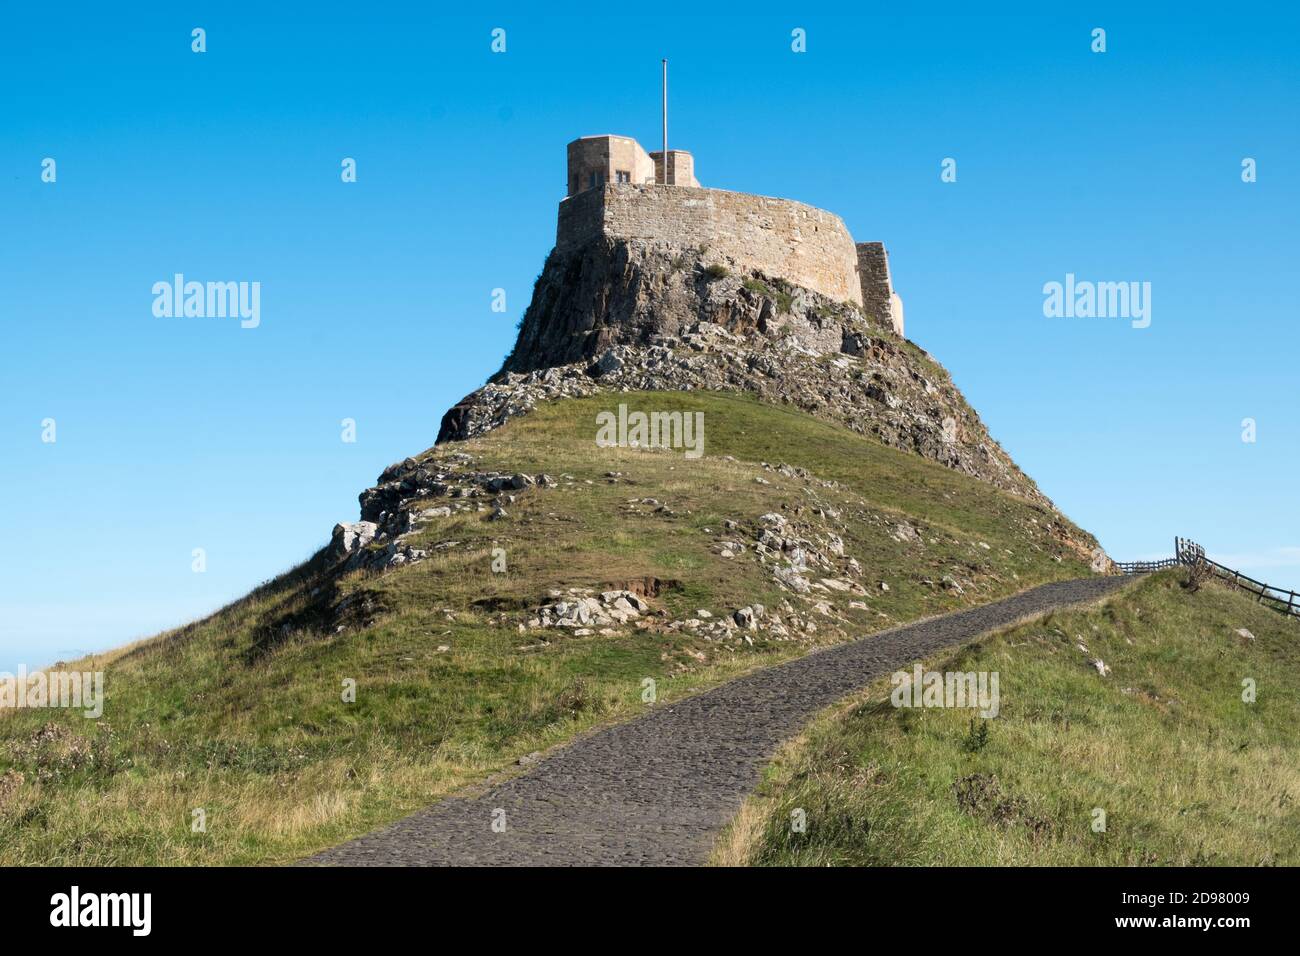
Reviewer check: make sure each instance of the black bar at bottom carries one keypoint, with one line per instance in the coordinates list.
(303, 905)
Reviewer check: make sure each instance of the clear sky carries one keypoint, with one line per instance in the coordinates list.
(174, 434)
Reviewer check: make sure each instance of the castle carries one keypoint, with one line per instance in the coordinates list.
(615, 189)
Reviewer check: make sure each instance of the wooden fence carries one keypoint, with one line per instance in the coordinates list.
(1187, 552)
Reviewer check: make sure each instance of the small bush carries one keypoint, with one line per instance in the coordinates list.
(716, 271)
(977, 737)
(1198, 572)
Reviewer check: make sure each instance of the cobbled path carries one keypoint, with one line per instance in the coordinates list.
(657, 789)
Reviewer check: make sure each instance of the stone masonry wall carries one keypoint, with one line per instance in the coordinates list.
(878, 298)
(778, 237)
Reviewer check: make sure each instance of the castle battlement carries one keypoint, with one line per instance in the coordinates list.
(597, 160)
(614, 194)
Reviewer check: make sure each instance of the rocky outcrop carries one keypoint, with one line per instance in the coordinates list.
(619, 315)
(583, 611)
(400, 505)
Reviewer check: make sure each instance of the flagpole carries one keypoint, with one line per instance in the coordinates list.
(665, 86)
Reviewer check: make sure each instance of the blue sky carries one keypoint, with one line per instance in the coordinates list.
(175, 434)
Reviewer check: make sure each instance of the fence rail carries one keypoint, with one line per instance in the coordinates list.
(1143, 567)
(1189, 553)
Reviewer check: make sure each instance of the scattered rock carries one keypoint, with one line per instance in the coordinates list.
(905, 533)
(581, 610)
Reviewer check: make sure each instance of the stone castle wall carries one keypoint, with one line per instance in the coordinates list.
(878, 298)
(778, 237)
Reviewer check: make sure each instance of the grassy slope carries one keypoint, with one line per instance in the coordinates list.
(1186, 771)
(206, 717)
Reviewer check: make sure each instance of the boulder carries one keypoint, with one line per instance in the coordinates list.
(605, 365)
(349, 538)
(790, 578)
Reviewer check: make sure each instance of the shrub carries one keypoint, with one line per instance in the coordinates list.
(977, 737)
(1198, 570)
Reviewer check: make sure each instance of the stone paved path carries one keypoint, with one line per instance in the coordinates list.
(657, 790)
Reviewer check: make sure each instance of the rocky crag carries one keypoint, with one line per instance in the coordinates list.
(624, 314)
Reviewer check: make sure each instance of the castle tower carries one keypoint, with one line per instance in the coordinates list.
(681, 168)
(597, 160)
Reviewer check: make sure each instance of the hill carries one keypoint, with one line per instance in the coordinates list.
(525, 580)
(614, 565)
(1158, 737)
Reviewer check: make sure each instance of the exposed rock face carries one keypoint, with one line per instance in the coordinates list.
(625, 314)
(622, 314)
(610, 292)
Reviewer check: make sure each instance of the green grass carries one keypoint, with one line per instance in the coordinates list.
(231, 716)
(1186, 772)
